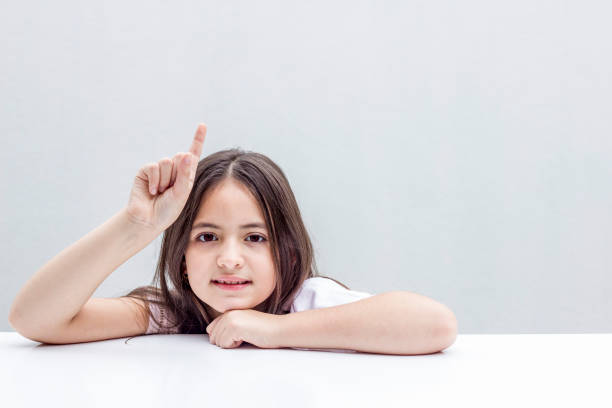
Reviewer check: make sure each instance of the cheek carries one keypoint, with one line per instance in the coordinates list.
(196, 269)
(268, 272)
(264, 266)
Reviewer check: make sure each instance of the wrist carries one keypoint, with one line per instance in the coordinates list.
(137, 225)
(137, 229)
(278, 337)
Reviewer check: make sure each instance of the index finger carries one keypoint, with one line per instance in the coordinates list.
(198, 141)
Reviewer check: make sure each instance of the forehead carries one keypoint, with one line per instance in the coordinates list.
(231, 202)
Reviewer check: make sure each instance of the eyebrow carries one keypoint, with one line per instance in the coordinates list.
(211, 225)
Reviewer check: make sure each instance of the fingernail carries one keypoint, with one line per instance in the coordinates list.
(187, 159)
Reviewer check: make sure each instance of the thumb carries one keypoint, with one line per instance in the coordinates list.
(185, 177)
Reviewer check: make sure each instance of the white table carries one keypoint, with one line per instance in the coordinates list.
(543, 370)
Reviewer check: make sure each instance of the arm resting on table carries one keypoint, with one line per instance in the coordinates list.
(398, 322)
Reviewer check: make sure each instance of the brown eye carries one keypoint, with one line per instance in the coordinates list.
(257, 236)
(204, 235)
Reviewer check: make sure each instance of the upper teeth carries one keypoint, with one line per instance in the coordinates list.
(231, 281)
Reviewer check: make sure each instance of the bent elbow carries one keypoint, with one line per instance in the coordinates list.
(448, 332)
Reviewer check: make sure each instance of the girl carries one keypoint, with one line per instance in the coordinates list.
(236, 262)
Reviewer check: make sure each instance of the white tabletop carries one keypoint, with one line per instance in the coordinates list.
(540, 370)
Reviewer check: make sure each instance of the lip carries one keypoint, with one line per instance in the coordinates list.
(231, 278)
(231, 287)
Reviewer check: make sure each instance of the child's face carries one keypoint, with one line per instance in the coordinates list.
(230, 250)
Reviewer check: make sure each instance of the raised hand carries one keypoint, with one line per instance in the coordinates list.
(161, 189)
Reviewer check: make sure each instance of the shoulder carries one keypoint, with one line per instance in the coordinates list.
(319, 292)
(160, 316)
(320, 283)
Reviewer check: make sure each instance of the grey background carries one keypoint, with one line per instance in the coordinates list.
(460, 150)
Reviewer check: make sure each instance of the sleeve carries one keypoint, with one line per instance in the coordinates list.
(161, 314)
(319, 292)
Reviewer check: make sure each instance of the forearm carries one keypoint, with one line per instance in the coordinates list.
(58, 290)
(397, 322)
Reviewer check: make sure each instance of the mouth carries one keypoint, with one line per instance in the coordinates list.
(231, 286)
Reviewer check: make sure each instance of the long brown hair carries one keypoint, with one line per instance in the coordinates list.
(292, 250)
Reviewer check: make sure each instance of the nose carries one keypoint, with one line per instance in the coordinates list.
(230, 257)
